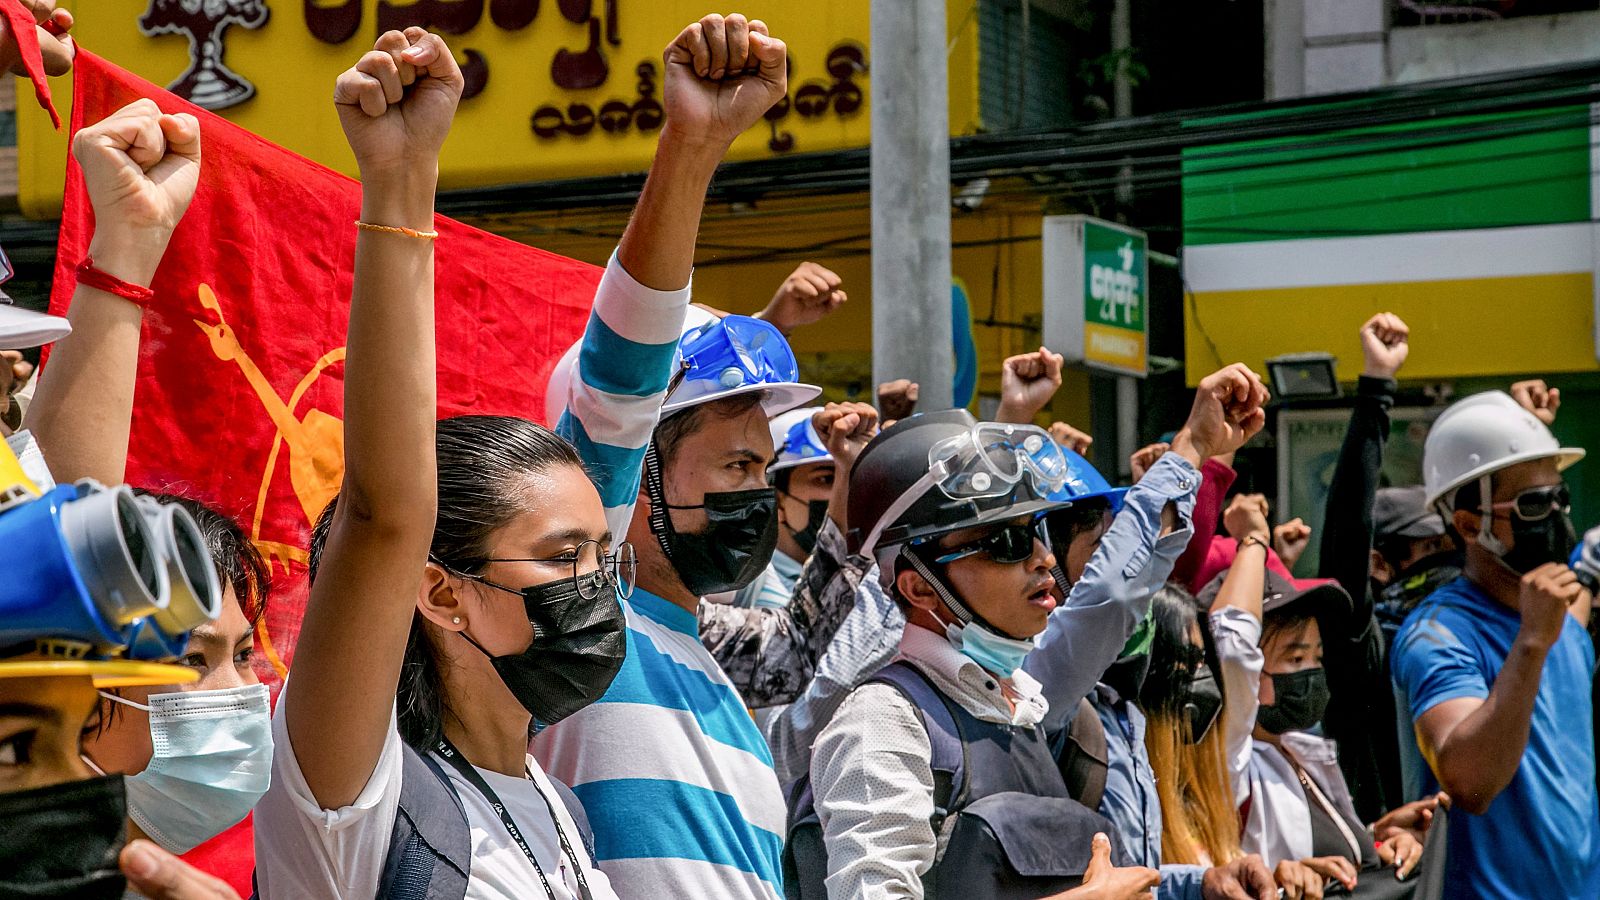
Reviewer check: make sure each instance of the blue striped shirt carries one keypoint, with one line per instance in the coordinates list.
(676, 780)
(623, 366)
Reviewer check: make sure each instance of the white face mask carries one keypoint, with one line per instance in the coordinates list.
(211, 763)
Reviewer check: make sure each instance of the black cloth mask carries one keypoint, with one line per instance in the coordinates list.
(63, 840)
(578, 648)
(1202, 703)
(1126, 676)
(741, 534)
(816, 514)
(1300, 698)
(1541, 541)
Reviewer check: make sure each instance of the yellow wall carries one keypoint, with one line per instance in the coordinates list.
(838, 351)
(492, 141)
(1463, 328)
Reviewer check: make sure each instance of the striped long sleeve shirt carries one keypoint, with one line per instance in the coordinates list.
(676, 780)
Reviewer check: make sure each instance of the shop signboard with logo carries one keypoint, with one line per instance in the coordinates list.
(553, 90)
(1096, 293)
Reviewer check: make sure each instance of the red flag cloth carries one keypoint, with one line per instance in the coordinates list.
(22, 26)
(230, 856)
(239, 395)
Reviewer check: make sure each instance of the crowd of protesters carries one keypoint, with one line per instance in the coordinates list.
(696, 636)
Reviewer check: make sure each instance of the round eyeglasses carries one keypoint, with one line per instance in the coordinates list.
(592, 568)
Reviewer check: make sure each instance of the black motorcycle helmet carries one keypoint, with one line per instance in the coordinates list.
(897, 459)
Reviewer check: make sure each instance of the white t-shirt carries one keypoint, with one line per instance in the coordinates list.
(304, 851)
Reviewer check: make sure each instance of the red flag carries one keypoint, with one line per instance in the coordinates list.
(21, 23)
(240, 388)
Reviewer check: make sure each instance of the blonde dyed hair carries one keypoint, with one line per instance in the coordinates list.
(1199, 824)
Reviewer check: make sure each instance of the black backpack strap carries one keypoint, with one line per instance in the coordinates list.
(1082, 756)
(430, 848)
(949, 757)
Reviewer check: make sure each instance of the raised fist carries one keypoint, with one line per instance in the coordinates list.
(845, 428)
(807, 296)
(397, 102)
(1027, 382)
(897, 399)
(1538, 398)
(1145, 457)
(1291, 539)
(140, 168)
(1384, 345)
(722, 74)
(1227, 412)
(1246, 516)
(1071, 438)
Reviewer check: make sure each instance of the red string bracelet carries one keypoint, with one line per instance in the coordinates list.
(90, 276)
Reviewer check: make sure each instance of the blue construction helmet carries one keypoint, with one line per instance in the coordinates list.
(1084, 482)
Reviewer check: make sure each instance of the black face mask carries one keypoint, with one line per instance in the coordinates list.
(1126, 676)
(816, 514)
(741, 533)
(1301, 699)
(578, 647)
(1545, 540)
(1202, 704)
(63, 840)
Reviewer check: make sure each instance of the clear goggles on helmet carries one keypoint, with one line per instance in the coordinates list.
(987, 461)
(734, 351)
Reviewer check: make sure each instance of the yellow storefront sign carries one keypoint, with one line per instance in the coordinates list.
(1116, 347)
(555, 90)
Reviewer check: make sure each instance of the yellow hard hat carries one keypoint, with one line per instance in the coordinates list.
(105, 673)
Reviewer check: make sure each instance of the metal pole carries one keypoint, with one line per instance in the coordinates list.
(911, 199)
(1122, 107)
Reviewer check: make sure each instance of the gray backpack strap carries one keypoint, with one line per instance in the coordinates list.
(430, 848)
(949, 755)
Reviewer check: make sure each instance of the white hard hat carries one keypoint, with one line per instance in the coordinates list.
(555, 393)
(796, 441)
(1483, 434)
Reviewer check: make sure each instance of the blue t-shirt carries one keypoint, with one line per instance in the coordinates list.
(1541, 835)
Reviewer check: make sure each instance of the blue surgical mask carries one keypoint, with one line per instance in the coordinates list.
(211, 763)
(995, 652)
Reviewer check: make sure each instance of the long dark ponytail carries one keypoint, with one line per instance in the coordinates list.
(482, 460)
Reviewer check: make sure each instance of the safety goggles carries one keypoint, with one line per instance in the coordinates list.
(734, 351)
(800, 442)
(592, 569)
(1010, 543)
(1536, 503)
(987, 461)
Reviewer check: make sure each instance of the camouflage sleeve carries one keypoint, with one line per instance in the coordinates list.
(770, 655)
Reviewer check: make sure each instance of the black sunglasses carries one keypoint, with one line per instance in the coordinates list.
(1011, 543)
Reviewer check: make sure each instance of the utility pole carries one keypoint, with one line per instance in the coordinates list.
(1122, 107)
(911, 335)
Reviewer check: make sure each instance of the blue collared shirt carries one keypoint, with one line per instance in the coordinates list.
(1130, 800)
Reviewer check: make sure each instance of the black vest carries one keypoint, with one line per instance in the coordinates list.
(1013, 830)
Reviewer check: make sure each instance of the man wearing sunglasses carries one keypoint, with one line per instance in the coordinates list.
(1496, 666)
(960, 518)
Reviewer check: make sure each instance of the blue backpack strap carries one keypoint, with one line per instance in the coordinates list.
(949, 758)
(430, 848)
